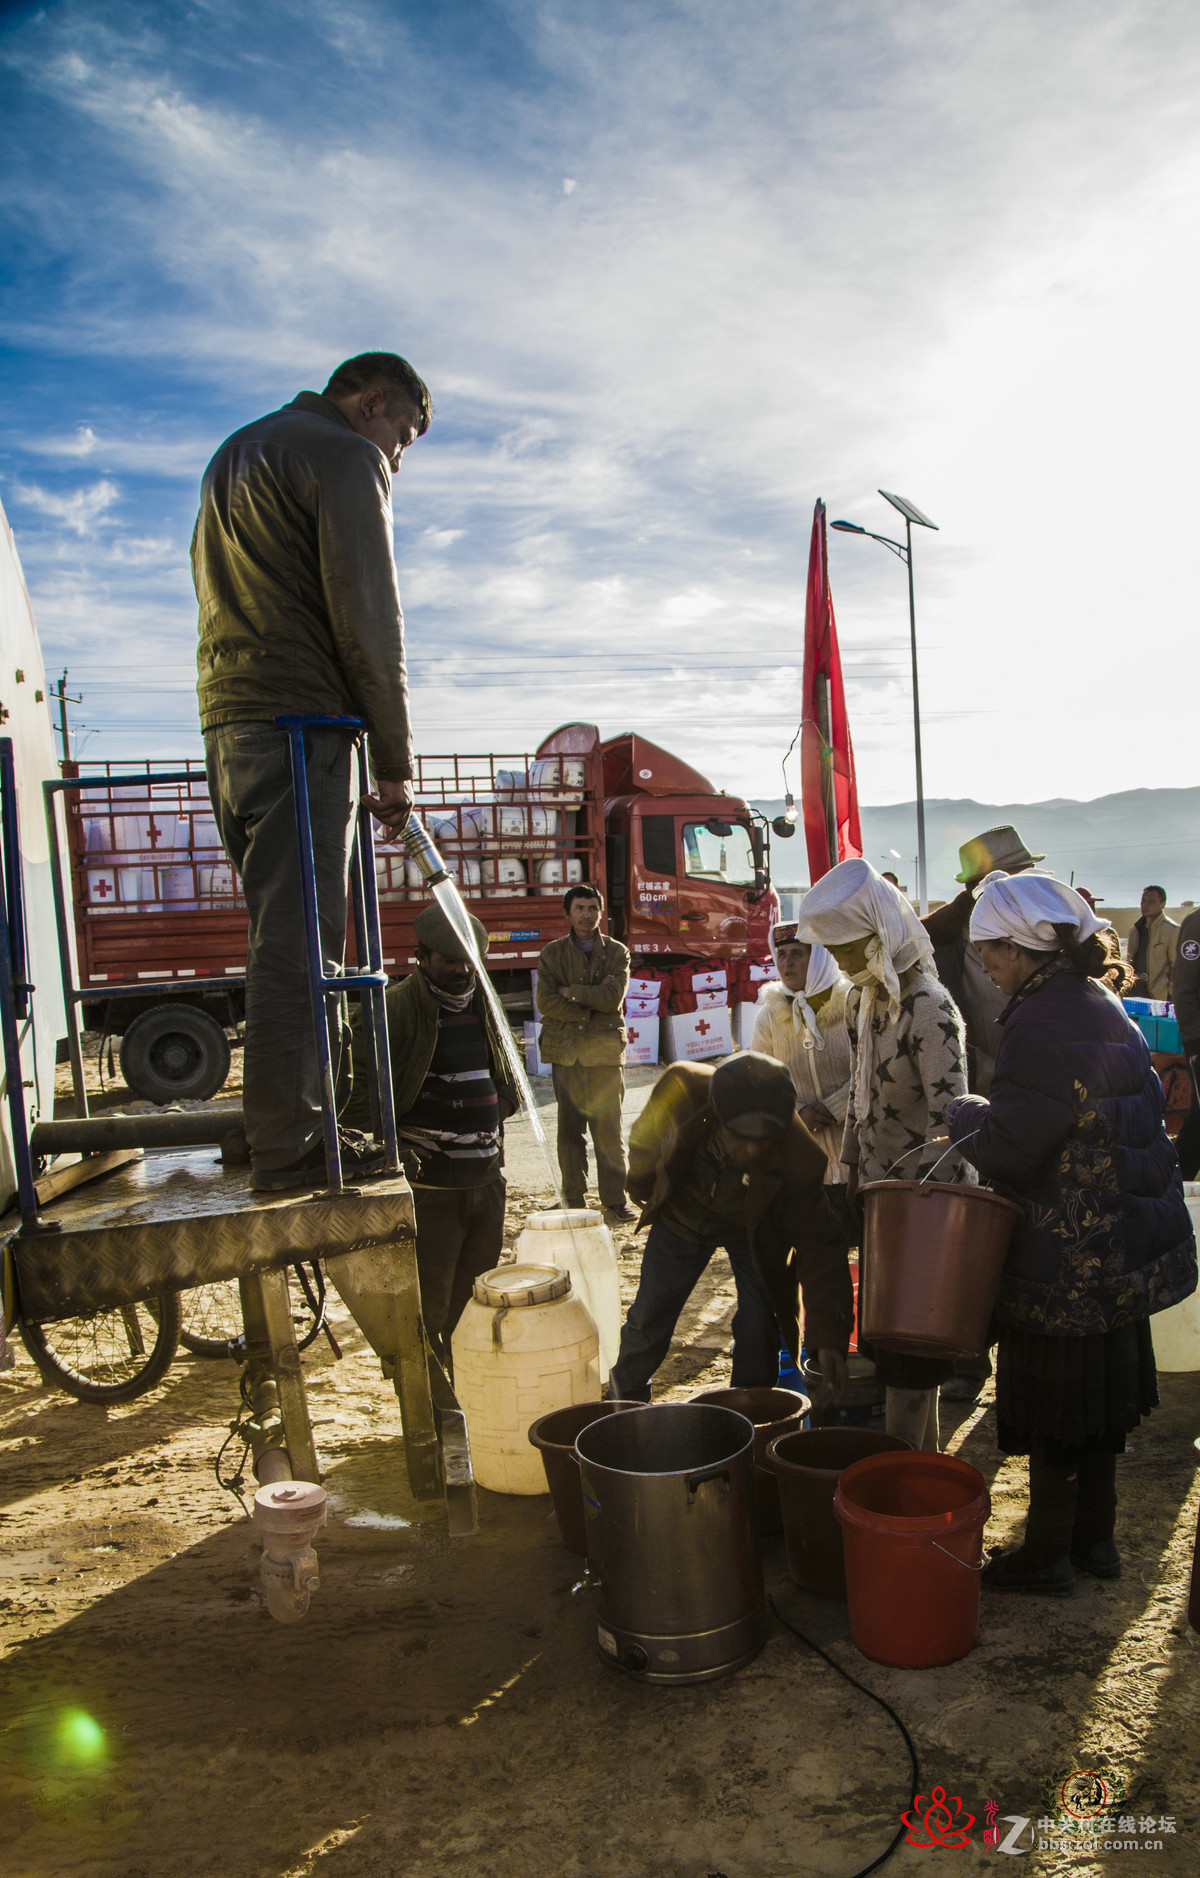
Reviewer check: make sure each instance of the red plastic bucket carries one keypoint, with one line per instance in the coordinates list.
(912, 1534)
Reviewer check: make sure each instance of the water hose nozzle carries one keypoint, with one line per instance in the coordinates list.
(420, 848)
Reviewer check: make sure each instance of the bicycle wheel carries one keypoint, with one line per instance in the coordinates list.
(212, 1318)
(111, 1356)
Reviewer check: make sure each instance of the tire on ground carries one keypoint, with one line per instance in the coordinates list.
(175, 1053)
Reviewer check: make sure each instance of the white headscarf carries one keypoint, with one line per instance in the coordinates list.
(853, 902)
(1026, 908)
(823, 973)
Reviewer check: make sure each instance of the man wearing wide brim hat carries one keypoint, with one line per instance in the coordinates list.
(958, 963)
(453, 1092)
(718, 1158)
(961, 971)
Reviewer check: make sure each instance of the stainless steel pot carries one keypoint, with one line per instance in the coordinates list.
(673, 1558)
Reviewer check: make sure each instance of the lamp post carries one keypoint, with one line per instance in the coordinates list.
(903, 549)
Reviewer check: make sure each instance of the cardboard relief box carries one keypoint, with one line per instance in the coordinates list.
(696, 1036)
(643, 1039)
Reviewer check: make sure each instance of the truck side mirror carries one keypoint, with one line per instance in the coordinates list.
(783, 828)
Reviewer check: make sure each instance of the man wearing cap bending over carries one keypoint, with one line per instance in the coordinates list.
(720, 1158)
(453, 1093)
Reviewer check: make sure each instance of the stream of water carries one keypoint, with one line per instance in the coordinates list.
(450, 900)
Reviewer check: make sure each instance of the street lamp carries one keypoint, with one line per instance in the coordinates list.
(903, 549)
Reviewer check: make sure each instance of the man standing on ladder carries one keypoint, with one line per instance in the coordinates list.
(300, 616)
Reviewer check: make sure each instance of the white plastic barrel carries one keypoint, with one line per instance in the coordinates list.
(503, 877)
(525, 1344)
(529, 830)
(580, 1241)
(216, 883)
(1176, 1332)
(566, 775)
(510, 783)
(464, 868)
(556, 875)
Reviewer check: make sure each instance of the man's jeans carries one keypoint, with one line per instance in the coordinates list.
(589, 1097)
(250, 782)
(460, 1235)
(671, 1266)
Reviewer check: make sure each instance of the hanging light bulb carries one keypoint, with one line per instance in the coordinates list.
(789, 807)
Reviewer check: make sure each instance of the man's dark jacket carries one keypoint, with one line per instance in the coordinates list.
(296, 578)
(1185, 982)
(1073, 1131)
(793, 1237)
(412, 1014)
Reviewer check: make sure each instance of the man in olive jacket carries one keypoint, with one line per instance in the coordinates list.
(581, 986)
(299, 616)
(453, 1092)
(719, 1157)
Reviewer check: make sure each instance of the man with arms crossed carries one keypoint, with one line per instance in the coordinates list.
(581, 985)
(300, 615)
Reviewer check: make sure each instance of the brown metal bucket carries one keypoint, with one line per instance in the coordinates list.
(773, 1412)
(554, 1437)
(808, 1465)
(932, 1255)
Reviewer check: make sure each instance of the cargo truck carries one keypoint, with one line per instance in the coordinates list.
(160, 927)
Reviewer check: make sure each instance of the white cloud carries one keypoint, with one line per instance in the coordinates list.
(819, 250)
(82, 511)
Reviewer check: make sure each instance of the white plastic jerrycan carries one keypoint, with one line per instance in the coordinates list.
(524, 1345)
(580, 1241)
(1176, 1331)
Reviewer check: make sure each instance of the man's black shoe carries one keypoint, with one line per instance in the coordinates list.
(362, 1159)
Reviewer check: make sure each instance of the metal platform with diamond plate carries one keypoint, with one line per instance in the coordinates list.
(172, 1221)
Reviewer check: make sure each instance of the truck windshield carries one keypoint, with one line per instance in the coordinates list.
(728, 858)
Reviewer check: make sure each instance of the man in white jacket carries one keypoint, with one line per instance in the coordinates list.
(801, 1022)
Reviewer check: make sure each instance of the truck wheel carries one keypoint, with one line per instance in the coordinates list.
(175, 1053)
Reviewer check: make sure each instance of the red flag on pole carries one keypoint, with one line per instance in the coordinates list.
(829, 793)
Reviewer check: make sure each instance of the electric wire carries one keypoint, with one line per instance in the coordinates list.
(887, 1709)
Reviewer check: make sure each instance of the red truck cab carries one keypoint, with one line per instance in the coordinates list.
(687, 864)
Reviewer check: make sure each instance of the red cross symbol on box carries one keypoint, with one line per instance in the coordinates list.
(103, 887)
(703, 1027)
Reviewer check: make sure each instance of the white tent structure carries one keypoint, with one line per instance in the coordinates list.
(25, 717)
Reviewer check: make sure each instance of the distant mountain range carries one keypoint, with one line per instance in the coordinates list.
(1115, 845)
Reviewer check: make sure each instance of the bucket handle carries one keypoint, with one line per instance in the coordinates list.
(959, 1561)
(696, 1481)
(932, 1142)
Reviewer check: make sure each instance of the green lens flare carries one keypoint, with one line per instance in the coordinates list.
(80, 1739)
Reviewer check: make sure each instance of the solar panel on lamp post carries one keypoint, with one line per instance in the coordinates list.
(903, 549)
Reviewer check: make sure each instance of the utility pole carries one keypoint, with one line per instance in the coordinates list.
(64, 729)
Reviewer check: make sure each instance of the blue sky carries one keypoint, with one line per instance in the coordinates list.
(672, 271)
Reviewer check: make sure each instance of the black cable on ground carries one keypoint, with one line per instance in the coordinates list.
(887, 1709)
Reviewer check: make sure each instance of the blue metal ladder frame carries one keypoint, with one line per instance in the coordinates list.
(369, 980)
(15, 989)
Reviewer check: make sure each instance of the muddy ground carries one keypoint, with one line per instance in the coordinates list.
(443, 1710)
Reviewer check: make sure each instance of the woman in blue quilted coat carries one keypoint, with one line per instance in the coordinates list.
(1073, 1131)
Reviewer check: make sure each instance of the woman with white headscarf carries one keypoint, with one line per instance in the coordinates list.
(909, 1062)
(801, 1022)
(1073, 1131)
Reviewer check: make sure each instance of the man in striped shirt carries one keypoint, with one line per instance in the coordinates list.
(453, 1092)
